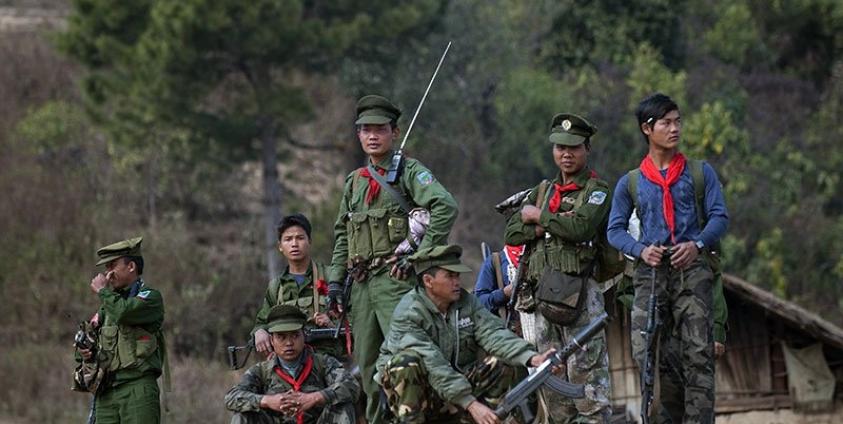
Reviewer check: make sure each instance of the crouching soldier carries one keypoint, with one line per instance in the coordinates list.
(431, 364)
(296, 385)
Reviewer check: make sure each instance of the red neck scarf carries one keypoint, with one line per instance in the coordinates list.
(374, 187)
(560, 190)
(674, 171)
(513, 253)
(296, 383)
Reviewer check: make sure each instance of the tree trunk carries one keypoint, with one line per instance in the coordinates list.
(271, 197)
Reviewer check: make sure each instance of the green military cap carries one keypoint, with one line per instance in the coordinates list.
(285, 318)
(445, 257)
(570, 130)
(374, 109)
(130, 247)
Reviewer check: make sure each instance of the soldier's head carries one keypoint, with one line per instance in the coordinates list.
(659, 121)
(438, 271)
(285, 324)
(294, 238)
(123, 262)
(571, 137)
(377, 125)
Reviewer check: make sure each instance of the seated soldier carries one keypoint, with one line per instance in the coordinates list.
(296, 385)
(431, 365)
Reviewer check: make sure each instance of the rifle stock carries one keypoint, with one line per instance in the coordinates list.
(648, 371)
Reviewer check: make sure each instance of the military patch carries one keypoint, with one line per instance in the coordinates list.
(144, 294)
(597, 198)
(425, 178)
(465, 322)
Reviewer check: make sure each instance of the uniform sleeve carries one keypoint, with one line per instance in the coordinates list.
(342, 386)
(715, 208)
(494, 338)
(619, 215)
(426, 191)
(340, 256)
(405, 333)
(246, 395)
(517, 232)
(486, 287)
(582, 225)
(263, 313)
(145, 308)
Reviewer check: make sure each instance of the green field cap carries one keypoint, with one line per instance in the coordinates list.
(374, 109)
(283, 318)
(130, 247)
(570, 130)
(445, 257)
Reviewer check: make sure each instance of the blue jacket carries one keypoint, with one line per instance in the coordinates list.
(653, 226)
(486, 288)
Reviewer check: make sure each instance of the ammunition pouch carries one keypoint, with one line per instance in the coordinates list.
(561, 296)
(123, 346)
(374, 233)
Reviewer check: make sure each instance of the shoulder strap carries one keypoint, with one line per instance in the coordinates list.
(585, 189)
(314, 278)
(540, 195)
(696, 169)
(276, 288)
(632, 178)
(402, 201)
(496, 264)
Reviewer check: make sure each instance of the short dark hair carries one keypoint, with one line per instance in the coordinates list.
(294, 220)
(138, 260)
(430, 271)
(653, 108)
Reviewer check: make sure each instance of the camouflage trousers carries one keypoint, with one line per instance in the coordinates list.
(412, 400)
(685, 340)
(589, 367)
(342, 413)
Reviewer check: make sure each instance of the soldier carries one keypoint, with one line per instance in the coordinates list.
(130, 347)
(493, 287)
(562, 222)
(678, 229)
(296, 385)
(432, 364)
(370, 226)
(302, 285)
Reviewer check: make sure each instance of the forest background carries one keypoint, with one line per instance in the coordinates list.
(197, 123)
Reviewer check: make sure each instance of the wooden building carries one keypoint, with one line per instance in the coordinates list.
(783, 364)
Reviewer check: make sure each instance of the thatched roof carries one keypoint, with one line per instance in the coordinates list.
(793, 314)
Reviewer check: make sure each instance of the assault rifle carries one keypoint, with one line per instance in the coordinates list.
(316, 334)
(518, 282)
(517, 397)
(650, 335)
(356, 272)
(233, 363)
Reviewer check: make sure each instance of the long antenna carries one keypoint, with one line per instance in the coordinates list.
(418, 109)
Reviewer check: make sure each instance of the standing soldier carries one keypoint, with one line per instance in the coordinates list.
(679, 227)
(371, 224)
(561, 223)
(446, 355)
(130, 348)
(301, 285)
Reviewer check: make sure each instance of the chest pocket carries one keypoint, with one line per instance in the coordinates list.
(125, 346)
(374, 233)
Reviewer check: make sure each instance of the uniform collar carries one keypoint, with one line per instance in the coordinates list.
(580, 179)
(385, 163)
(288, 276)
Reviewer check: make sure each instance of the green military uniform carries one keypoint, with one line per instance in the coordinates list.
(569, 247)
(433, 365)
(130, 346)
(285, 290)
(370, 232)
(313, 372)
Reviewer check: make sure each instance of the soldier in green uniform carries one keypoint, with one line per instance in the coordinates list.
(302, 285)
(297, 384)
(369, 227)
(561, 222)
(130, 347)
(446, 355)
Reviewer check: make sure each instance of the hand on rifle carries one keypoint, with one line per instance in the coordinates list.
(262, 342)
(400, 267)
(321, 319)
(335, 295)
(652, 254)
(539, 359)
(481, 414)
(684, 254)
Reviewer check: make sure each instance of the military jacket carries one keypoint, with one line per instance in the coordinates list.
(327, 376)
(131, 343)
(569, 241)
(449, 343)
(374, 230)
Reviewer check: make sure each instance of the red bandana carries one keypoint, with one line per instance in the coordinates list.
(296, 383)
(374, 187)
(674, 171)
(513, 253)
(556, 199)
(322, 287)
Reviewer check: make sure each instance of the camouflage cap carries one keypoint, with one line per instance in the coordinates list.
(445, 257)
(568, 129)
(129, 247)
(374, 109)
(285, 318)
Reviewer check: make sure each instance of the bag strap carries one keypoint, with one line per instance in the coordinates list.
(402, 201)
(314, 278)
(632, 187)
(696, 170)
(496, 264)
(542, 193)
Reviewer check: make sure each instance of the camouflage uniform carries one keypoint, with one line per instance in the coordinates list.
(283, 290)
(327, 376)
(370, 232)
(568, 246)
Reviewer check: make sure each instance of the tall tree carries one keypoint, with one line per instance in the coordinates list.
(225, 70)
